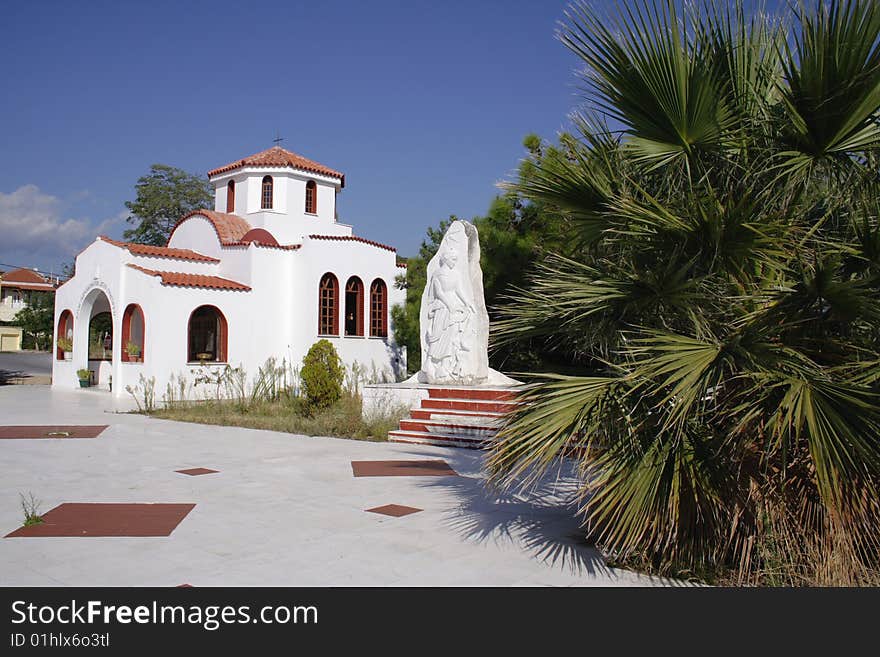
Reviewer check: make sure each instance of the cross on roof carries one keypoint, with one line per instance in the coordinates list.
(278, 139)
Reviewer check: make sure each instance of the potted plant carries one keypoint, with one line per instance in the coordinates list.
(66, 345)
(85, 377)
(134, 352)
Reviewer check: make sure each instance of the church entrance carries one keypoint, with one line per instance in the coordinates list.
(101, 337)
(97, 315)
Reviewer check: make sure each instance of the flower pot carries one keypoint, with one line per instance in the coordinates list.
(68, 355)
(83, 383)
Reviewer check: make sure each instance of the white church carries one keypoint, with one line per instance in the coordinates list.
(266, 273)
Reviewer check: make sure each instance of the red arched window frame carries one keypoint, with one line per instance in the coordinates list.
(127, 317)
(65, 328)
(266, 198)
(378, 309)
(311, 197)
(207, 333)
(354, 306)
(230, 196)
(328, 305)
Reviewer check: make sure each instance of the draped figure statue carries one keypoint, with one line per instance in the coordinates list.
(453, 318)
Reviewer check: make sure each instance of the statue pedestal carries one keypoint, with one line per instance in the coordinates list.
(448, 415)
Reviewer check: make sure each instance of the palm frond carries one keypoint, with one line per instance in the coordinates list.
(648, 74)
(577, 184)
(563, 295)
(832, 91)
(678, 371)
(744, 52)
(841, 424)
(557, 415)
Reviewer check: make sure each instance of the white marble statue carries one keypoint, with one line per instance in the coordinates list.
(453, 321)
(453, 318)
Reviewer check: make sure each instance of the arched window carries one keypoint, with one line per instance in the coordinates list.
(311, 197)
(65, 330)
(133, 328)
(208, 335)
(354, 306)
(378, 309)
(267, 193)
(230, 196)
(328, 304)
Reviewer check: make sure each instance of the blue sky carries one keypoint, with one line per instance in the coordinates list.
(423, 105)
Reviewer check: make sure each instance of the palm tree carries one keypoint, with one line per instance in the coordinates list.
(720, 292)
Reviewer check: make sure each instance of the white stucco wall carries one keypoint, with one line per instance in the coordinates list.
(241, 194)
(197, 234)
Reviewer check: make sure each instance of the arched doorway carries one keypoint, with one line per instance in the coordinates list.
(96, 343)
(101, 336)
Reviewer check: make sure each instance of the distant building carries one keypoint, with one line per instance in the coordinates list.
(266, 273)
(16, 289)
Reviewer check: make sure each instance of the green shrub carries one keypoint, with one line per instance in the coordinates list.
(322, 375)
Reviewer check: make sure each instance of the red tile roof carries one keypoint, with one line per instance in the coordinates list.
(230, 228)
(159, 251)
(38, 287)
(180, 279)
(24, 276)
(285, 247)
(279, 157)
(352, 238)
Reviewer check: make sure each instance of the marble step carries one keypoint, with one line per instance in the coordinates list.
(483, 394)
(477, 431)
(455, 415)
(459, 404)
(425, 438)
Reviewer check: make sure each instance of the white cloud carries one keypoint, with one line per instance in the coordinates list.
(33, 228)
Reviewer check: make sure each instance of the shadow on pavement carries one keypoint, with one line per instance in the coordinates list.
(543, 520)
(10, 377)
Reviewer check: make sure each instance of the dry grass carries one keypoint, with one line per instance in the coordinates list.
(342, 420)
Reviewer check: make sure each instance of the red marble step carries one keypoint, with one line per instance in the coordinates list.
(423, 438)
(467, 405)
(447, 428)
(423, 414)
(471, 393)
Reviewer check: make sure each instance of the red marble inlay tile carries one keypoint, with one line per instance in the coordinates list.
(395, 510)
(434, 468)
(194, 472)
(34, 432)
(85, 519)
